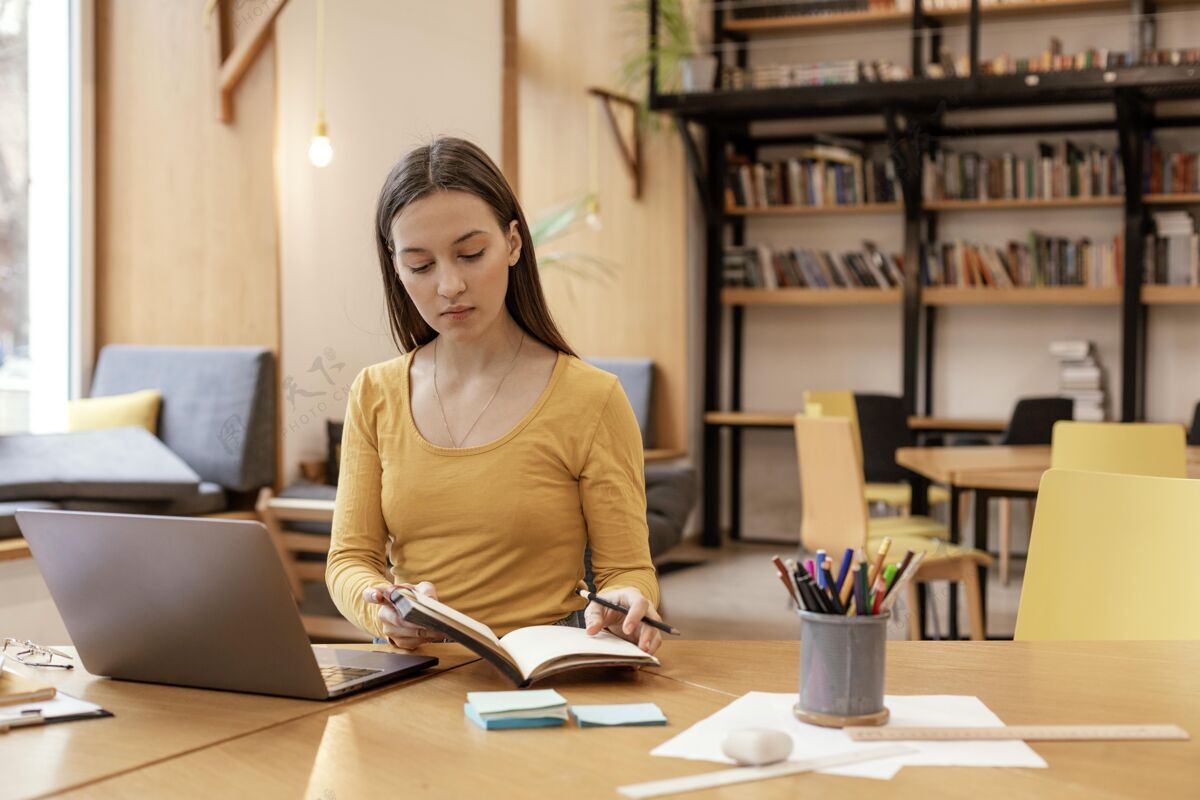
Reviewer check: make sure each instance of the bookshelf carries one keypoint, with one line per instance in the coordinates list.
(734, 296)
(1022, 296)
(1024, 8)
(912, 115)
(1018, 205)
(814, 211)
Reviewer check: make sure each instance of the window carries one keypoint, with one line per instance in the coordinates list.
(37, 221)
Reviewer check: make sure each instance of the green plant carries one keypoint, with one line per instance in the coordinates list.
(676, 42)
(558, 221)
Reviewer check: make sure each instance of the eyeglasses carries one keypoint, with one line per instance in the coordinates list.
(36, 655)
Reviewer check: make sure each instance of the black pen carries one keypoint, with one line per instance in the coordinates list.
(653, 623)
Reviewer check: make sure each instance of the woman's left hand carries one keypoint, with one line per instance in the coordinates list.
(628, 626)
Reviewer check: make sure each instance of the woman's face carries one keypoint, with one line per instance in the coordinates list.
(453, 260)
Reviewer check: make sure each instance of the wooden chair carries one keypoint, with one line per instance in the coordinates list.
(281, 516)
(1109, 559)
(888, 427)
(1127, 448)
(834, 517)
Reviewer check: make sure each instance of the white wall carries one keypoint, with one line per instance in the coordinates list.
(985, 358)
(397, 74)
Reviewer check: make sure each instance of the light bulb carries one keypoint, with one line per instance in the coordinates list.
(592, 217)
(320, 151)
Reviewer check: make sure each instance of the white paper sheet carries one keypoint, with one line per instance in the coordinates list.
(702, 741)
(61, 705)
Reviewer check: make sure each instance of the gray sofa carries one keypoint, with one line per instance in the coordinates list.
(215, 443)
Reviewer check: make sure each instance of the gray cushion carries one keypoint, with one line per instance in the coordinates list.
(109, 464)
(8, 519)
(209, 498)
(637, 379)
(307, 490)
(218, 406)
(670, 495)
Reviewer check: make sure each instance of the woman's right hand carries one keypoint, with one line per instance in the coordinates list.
(399, 632)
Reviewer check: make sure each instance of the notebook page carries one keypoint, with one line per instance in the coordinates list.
(534, 646)
(449, 613)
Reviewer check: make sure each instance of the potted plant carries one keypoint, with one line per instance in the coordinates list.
(683, 64)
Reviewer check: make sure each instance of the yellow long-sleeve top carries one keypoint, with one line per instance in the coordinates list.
(500, 528)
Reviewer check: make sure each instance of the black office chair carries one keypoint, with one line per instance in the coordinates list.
(1193, 438)
(1032, 422)
(1033, 419)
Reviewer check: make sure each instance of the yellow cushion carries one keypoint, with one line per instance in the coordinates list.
(934, 549)
(115, 411)
(898, 495)
(906, 526)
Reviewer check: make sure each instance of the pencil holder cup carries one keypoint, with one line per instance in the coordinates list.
(841, 669)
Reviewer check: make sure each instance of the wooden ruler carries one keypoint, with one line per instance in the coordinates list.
(1028, 733)
(707, 780)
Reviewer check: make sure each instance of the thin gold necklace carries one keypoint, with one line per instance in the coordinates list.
(486, 405)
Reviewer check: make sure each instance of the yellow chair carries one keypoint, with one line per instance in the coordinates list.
(840, 403)
(834, 516)
(1110, 558)
(1128, 448)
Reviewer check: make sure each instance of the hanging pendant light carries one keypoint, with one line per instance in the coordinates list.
(320, 150)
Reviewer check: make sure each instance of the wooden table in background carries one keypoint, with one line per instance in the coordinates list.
(414, 740)
(988, 471)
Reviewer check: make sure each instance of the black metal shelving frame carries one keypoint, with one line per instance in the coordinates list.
(913, 115)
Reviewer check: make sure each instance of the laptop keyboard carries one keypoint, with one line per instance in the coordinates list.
(336, 676)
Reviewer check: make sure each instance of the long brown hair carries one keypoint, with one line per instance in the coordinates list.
(450, 163)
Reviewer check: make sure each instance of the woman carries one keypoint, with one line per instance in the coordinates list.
(483, 459)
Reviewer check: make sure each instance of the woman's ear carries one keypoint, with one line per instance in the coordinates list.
(514, 243)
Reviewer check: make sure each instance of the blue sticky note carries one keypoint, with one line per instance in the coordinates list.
(612, 715)
(501, 724)
(499, 702)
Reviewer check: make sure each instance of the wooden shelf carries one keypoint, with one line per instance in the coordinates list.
(1170, 199)
(1035, 296)
(818, 21)
(1009, 205)
(769, 211)
(784, 419)
(802, 22)
(734, 296)
(1171, 295)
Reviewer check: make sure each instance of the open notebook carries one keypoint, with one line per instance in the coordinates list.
(526, 654)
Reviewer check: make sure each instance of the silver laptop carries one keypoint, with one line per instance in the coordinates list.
(190, 602)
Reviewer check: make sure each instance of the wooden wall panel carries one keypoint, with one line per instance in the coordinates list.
(563, 49)
(185, 205)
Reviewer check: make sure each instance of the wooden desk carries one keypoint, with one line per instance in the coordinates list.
(151, 723)
(417, 737)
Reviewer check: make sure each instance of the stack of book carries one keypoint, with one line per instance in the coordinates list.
(1172, 256)
(1081, 379)
(755, 9)
(1057, 171)
(762, 267)
(1042, 261)
(1170, 173)
(823, 73)
(817, 176)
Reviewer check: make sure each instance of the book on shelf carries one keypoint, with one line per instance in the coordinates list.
(764, 267)
(527, 654)
(1169, 173)
(1040, 261)
(1172, 254)
(821, 73)
(1081, 378)
(814, 176)
(1058, 170)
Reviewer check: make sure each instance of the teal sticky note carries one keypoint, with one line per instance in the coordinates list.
(613, 715)
(500, 702)
(520, 722)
